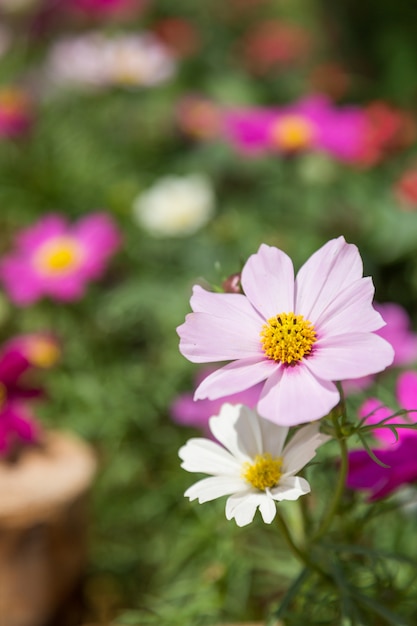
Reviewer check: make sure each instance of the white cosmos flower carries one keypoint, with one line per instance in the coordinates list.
(94, 59)
(255, 468)
(175, 206)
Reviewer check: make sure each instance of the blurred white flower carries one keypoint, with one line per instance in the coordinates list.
(175, 206)
(253, 466)
(96, 60)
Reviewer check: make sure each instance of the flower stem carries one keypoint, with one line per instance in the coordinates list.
(298, 552)
(340, 486)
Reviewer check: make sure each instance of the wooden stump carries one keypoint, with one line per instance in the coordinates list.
(43, 524)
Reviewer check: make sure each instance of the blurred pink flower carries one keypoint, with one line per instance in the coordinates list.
(399, 455)
(405, 189)
(311, 124)
(41, 350)
(199, 117)
(16, 112)
(53, 258)
(296, 335)
(189, 412)
(397, 331)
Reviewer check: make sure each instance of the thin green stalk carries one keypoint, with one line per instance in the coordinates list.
(297, 552)
(340, 486)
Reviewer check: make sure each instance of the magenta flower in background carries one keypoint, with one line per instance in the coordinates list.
(55, 259)
(16, 422)
(400, 455)
(397, 331)
(311, 124)
(296, 335)
(41, 350)
(189, 412)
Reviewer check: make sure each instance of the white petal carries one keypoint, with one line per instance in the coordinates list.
(214, 487)
(268, 508)
(302, 448)
(273, 436)
(242, 507)
(290, 488)
(208, 457)
(237, 428)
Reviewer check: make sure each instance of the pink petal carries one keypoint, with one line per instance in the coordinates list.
(327, 272)
(268, 281)
(351, 311)
(349, 356)
(229, 335)
(224, 305)
(293, 395)
(235, 377)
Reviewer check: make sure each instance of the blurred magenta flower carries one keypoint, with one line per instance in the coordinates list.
(16, 112)
(311, 124)
(399, 455)
(296, 334)
(55, 259)
(16, 421)
(189, 412)
(397, 331)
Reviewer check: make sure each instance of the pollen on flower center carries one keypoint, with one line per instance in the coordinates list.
(288, 338)
(58, 256)
(292, 132)
(264, 472)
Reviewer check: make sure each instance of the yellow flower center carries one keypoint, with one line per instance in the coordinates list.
(3, 395)
(13, 101)
(292, 132)
(288, 338)
(264, 472)
(42, 352)
(59, 256)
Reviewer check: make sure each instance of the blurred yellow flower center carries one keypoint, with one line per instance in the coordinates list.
(265, 472)
(59, 256)
(3, 395)
(288, 338)
(13, 100)
(42, 352)
(292, 132)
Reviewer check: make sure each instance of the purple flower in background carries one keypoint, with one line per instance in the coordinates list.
(310, 124)
(53, 258)
(399, 455)
(189, 412)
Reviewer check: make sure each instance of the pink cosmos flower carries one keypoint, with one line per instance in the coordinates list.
(53, 258)
(399, 455)
(311, 124)
(189, 412)
(296, 335)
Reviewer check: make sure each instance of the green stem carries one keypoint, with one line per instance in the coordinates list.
(340, 486)
(297, 552)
